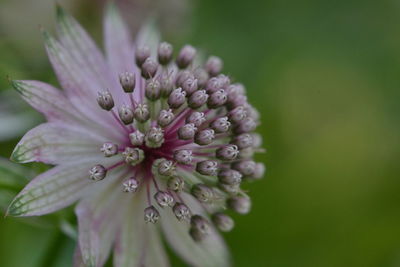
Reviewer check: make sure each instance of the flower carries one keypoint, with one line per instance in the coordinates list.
(144, 143)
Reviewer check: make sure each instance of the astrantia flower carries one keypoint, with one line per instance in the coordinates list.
(145, 143)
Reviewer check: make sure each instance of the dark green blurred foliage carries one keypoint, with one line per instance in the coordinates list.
(325, 77)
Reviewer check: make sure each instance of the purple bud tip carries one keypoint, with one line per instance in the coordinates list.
(221, 125)
(204, 137)
(165, 117)
(183, 156)
(213, 65)
(126, 114)
(133, 156)
(127, 81)
(202, 77)
(153, 89)
(230, 177)
(131, 185)
(164, 53)
(175, 183)
(154, 137)
(197, 118)
(245, 167)
(97, 172)
(164, 199)
(227, 152)
(207, 167)
(224, 81)
(231, 189)
(243, 141)
(142, 113)
(109, 149)
(151, 214)
(136, 138)
(166, 167)
(181, 211)
(259, 171)
(141, 54)
(186, 56)
(177, 98)
(203, 193)
(239, 204)
(187, 131)
(237, 114)
(224, 222)
(190, 86)
(197, 99)
(245, 126)
(217, 99)
(149, 68)
(105, 100)
(182, 77)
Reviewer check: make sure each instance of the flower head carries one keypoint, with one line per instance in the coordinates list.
(138, 138)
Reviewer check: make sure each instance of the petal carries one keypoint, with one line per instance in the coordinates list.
(98, 220)
(55, 143)
(54, 189)
(138, 243)
(148, 35)
(77, 259)
(209, 253)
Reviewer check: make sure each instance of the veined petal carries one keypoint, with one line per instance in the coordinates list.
(54, 190)
(56, 143)
(98, 221)
(47, 99)
(138, 243)
(82, 48)
(210, 252)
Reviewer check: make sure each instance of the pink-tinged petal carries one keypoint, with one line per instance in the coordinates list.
(148, 35)
(55, 143)
(98, 221)
(48, 100)
(77, 260)
(83, 50)
(138, 243)
(54, 189)
(210, 252)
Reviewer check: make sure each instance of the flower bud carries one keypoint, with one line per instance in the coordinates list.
(152, 90)
(197, 118)
(257, 140)
(204, 137)
(202, 193)
(127, 81)
(243, 141)
(166, 84)
(230, 177)
(177, 98)
(227, 152)
(245, 167)
(166, 167)
(141, 54)
(237, 114)
(220, 125)
(239, 204)
(126, 114)
(136, 138)
(149, 68)
(131, 185)
(231, 189)
(238, 100)
(235, 90)
(97, 172)
(187, 131)
(164, 53)
(223, 222)
(224, 81)
(213, 85)
(197, 99)
(133, 156)
(217, 99)
(105, 100)
(207, 167)
(245, 126)
(186, 56)
(183, 156)
(259, 171)
(181, 211)
(175, 183)
(109, 149)
(182, 76)
(151, 214)
(165, 117)
(200, 223)
(189, 86)
(213, 65)
(142, 113)
(202, 77)
(164, 199)
(154, 137)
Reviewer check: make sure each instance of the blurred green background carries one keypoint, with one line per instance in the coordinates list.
(325, 77)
